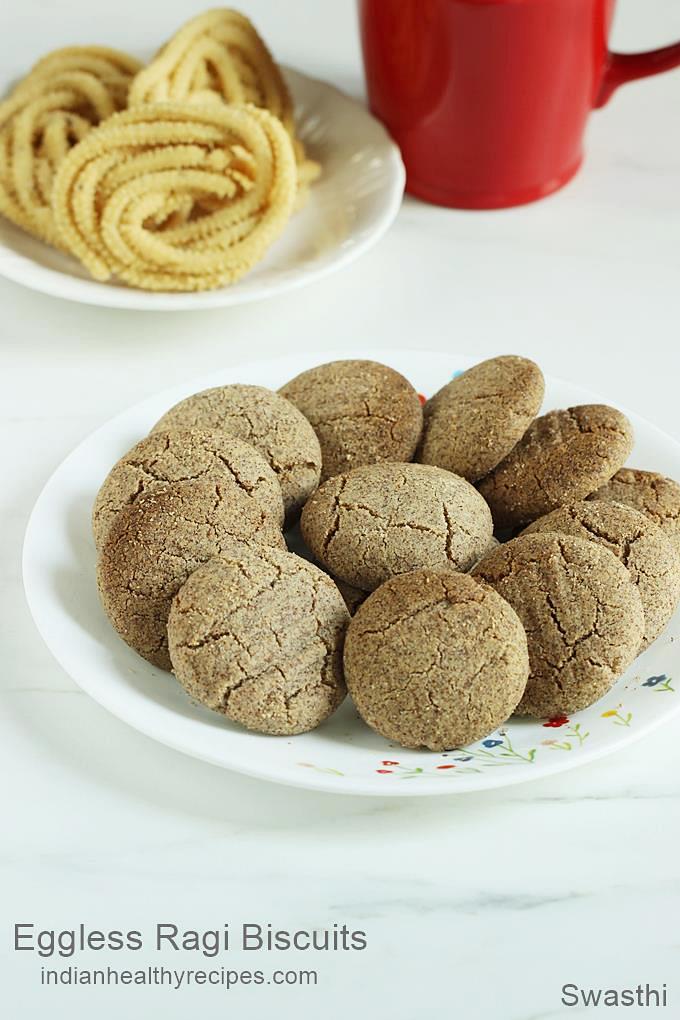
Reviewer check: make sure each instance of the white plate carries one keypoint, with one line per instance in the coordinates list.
(350, 207)
(343, 755)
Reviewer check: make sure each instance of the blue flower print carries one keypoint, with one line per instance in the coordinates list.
(660, 683)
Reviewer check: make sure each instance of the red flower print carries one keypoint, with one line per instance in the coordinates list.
(558, 720)
(383, 772)
(422, 399)
(389, 762)
(446, 766)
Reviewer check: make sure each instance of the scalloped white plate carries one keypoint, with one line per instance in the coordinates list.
(350, 207)
(343, 755)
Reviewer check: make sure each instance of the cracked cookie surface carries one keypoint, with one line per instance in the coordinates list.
(582, 614)
(648, 555)
(187, 455)
(435, 659)
(268, 422)
(653, 494)
(258, 636)
(385, 519)
(493, 544)
(155, 543)
(562, 457)
(363, 413)
(474, 421)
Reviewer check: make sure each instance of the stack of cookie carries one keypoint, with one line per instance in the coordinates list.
(470, 559)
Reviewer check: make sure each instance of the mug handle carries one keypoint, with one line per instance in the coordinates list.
(623, 67)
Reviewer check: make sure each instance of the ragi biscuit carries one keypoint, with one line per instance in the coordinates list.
(493, 544)
(562, 457)
(646, 552)
(153, 546)
(363, 413)
(268, 422)
(258, 636)
(474, 421)
(582, 614)
(653, 494)
(385, 519)
(435, 659)
(186, 455)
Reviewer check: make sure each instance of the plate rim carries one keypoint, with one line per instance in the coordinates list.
(308, 778)
(94, 293)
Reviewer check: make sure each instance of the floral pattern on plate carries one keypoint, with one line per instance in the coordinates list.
(343, 755)
(497, 750)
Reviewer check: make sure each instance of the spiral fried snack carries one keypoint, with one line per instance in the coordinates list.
(110, 66)
(62, 98)
(176, 196)
(219, 55)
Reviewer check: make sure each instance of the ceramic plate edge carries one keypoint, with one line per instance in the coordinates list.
(311, 780)
(53, 285)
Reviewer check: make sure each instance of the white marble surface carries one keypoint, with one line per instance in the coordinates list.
(474, 906)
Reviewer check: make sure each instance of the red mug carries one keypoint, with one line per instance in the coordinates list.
(488, 99)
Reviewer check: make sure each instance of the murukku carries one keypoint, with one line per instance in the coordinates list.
(220, 55)
(112, 66)
(54, 107)
(176, 196)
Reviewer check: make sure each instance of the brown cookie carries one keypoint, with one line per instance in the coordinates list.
(493, 544)
(562, 457)
(268, 422)
(651, 493)
(435, 659)
(386, 519)
(582, 614)
(648, 555)
(258, 636)
(156, 542)
(178, 456)
(474, 421)
(363, 413)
